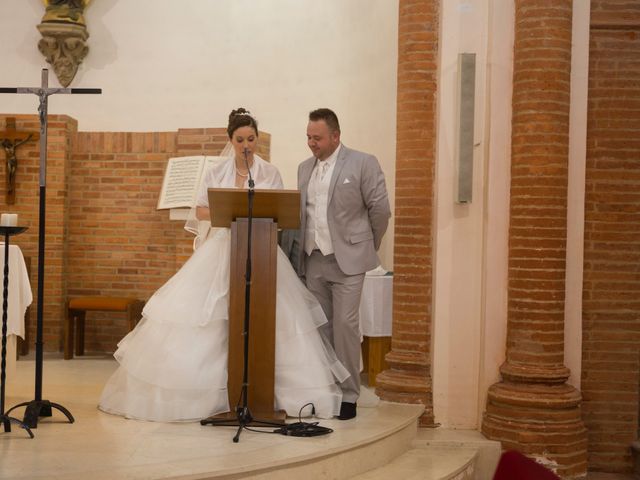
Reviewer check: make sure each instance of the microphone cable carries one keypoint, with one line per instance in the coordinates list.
(303, 429)
(296, 429)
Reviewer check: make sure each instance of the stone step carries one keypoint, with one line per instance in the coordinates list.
(488, 450)
(428, 463)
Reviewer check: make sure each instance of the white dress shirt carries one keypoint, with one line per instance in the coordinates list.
(317, 235)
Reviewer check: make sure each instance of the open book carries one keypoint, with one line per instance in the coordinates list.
(182, 179)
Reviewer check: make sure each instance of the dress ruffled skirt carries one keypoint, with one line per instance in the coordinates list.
(173, 365)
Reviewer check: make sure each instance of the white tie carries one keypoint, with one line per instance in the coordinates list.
(324, 166)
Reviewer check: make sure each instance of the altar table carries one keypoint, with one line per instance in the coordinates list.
(376, 315)
(20, 297)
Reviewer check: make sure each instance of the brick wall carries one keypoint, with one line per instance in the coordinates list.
(611, 290)
(409, 378)
(104, 234)
(119, 244)
(61, 132)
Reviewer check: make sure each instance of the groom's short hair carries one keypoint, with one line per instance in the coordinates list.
(329, 117)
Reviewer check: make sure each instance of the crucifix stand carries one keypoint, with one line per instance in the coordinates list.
(10, 140)
(38, 407)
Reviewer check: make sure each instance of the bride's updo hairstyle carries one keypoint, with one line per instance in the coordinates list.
(238, 118)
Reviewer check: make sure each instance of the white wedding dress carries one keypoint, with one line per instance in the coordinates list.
(173, 365)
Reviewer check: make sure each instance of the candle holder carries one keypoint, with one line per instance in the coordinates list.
(7, 231)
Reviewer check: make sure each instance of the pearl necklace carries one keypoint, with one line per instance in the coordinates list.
(241, 174)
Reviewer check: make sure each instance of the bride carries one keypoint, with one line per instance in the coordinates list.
(173, 365)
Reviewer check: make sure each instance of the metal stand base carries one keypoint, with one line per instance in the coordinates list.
(243, 420)
(40, 408)
(6, 421)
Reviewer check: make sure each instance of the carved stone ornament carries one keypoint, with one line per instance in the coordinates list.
(64, 34)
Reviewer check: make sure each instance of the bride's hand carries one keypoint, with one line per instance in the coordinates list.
(202, 213)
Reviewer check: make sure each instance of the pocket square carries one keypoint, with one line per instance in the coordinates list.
(346, 180)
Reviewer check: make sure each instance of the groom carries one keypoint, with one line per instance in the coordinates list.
(344, 214)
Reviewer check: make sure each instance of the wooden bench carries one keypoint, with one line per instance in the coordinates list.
(76, 312)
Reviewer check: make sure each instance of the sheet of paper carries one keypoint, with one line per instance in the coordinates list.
(181, 181)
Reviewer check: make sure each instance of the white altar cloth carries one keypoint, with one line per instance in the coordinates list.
(376, 306)
(20, 297)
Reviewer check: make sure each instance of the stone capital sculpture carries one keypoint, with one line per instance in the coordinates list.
(64, 35)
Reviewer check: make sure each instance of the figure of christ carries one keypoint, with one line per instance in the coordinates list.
(10, 147)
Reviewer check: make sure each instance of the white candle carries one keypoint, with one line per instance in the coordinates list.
(9, 219)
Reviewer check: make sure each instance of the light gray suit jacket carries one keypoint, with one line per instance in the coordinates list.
(358, 210)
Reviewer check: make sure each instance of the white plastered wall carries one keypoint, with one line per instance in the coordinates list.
(462, 236)
(165, 64)
(576, 190)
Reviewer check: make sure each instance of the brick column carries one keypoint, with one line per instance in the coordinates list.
(408, 379)
(533, 409)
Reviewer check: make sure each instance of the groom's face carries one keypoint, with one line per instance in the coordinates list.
(321, 140)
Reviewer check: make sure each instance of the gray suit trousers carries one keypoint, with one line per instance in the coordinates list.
(339, 296)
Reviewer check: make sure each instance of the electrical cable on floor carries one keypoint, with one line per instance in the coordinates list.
(299, 428)
(303, 429)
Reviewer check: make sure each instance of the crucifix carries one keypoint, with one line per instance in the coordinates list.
(10, 140)
(38, 407)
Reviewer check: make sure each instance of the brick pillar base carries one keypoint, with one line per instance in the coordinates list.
(407, 381)
(541, 420)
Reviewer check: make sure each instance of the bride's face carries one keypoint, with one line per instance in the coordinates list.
(244, 138)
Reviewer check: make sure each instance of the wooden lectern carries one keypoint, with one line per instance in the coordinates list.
(271, 209)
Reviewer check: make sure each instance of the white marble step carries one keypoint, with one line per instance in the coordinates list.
(99, 446)
(383, 439)
(442, 454)
(428, 463)
(488, 451)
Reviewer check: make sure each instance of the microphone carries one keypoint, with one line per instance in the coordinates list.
(246, 161)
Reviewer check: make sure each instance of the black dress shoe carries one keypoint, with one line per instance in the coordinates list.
(347, 411)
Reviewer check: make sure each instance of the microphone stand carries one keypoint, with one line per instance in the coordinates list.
(243, 415)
